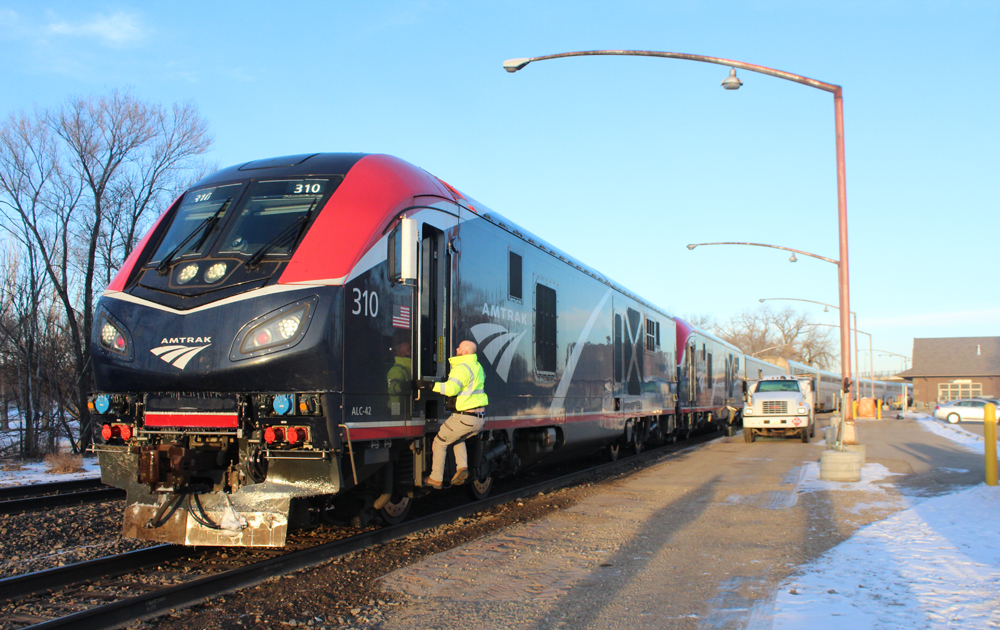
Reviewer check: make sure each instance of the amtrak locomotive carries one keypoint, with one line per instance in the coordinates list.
(255, 355)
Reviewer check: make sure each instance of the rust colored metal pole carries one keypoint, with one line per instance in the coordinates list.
(850, 436)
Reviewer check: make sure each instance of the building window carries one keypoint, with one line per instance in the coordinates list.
(545, 328)
(514, 276)
(957, 390)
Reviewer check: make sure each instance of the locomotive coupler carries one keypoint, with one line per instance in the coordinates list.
(171, 468)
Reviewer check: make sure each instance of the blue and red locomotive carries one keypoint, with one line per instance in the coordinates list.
(255, 355)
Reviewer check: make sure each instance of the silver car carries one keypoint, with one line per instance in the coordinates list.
(964, 410)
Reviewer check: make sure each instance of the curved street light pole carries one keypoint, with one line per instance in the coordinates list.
(733, 83)
(769, 348)
(787, 249)
(857, 363)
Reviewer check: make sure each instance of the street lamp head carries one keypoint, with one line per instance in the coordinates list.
(826, 309)
(732, 82)
(513, 65)
(761, 300)
(692, 246)
(793, 259)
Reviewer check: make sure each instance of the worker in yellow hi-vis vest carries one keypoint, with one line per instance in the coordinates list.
(466, 383)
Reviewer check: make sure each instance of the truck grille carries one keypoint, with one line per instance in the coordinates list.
(775, 406)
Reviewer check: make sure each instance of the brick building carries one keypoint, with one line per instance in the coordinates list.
(955, 367)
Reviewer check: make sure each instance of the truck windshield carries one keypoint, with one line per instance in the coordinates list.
(777, 386)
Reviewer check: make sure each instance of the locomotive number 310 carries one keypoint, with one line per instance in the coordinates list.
(365, 302)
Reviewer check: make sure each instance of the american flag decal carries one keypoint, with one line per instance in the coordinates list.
(400, 316)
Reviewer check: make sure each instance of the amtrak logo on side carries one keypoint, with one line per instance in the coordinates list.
(178, 355)
(504, 340)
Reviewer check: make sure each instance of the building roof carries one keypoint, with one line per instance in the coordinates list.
(955, 356)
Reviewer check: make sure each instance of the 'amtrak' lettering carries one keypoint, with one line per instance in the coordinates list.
(499, 312)
(186, 340)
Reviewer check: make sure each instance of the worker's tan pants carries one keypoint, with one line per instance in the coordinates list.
(455, 430)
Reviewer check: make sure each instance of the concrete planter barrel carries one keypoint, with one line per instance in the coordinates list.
(840, 465)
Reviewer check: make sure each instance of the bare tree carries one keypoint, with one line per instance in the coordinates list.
(785, 333)
(701, 321)
(77, 185)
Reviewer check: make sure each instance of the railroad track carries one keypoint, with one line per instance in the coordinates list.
(40, 601)
(45, 496)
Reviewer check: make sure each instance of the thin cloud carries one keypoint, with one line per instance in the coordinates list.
(119, 29)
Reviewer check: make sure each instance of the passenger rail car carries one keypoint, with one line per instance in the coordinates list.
(254, 357)
(709, 380)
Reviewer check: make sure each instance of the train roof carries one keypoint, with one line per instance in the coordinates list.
(685, 330)
(373, 207)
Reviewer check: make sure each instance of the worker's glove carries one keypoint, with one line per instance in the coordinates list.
(424, 384)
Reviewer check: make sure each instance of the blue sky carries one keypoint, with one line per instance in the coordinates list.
(619, 161)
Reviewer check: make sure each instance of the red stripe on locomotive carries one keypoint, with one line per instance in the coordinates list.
(202, 420)
(353, 220)
(118, 284)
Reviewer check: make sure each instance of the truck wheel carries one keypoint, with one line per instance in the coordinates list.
(394, 512)
(748, 436)
(804, 434)
(613, 450)
(479, 489)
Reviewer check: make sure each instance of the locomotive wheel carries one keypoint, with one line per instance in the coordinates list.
(396, 510)
(479, 489)
(748, 436)
(614, 450)
(638, 446)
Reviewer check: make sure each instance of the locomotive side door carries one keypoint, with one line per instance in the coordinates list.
(618, 361)
(432, 330)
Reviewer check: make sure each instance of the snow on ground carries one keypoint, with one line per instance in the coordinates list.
(953, 432)
(36, 472)
(928, 566)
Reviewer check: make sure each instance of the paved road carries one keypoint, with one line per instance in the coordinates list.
(698, 541)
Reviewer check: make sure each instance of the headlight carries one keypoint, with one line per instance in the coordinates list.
(801, 410)
(112, 336)
(278, 330)
(187, 273)
(215, 272)
(748, 411)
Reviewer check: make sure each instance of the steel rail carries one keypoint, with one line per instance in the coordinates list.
(38, 489)
(151, 604)
(36, 504)
(39, 582)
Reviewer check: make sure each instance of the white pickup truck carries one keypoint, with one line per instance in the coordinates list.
(779, 406)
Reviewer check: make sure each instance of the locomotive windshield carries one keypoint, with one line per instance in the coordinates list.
(197, 222)
(273, 217)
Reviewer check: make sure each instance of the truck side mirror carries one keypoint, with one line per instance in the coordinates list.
(402, 254)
